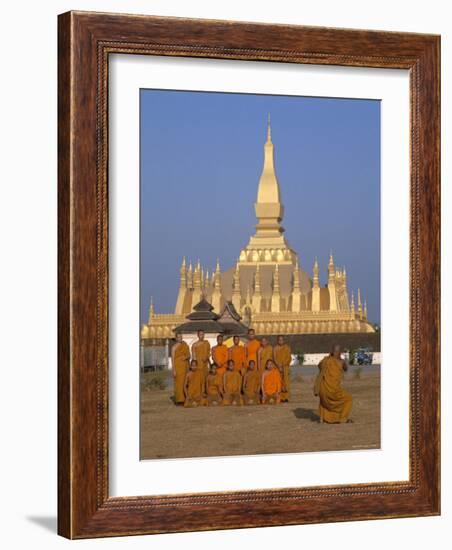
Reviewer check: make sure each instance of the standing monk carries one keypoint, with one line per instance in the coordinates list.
(283, 357)
(214, 387)
(252, 347)
(251, 385)
(335, 403)
(271, 384)
(264, 354)
(194, 386)
(180, 358)
(200, 351)
(238, 354)
(220, 355)
(232, 386)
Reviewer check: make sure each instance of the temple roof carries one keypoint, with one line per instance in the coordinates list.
(203, 311)
(203, 318)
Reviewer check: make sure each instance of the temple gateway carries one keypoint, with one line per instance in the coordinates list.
(267, 287)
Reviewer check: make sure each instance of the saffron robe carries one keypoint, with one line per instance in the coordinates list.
(251, 387)
(283, 358)
(200, 351)
(252, 347)
(220, 357)
(232, 387)
(271, 386)
(264, 354)
(335, 403)
(194, 383)
(181, 357)
(238, 355)
(214, 388)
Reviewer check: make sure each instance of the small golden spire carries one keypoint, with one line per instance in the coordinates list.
(269, 129)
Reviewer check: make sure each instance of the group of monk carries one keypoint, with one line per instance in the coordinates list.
(250, 374)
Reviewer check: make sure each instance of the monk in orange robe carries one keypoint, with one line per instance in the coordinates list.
(271, 384)
(335, 403)
(282, 355)
(238, 354)
(200, 351)
(232, 385)
(180, 358)
(264, 354)
(252, 347)
(214, 387)
(251, 385)
(220, 355)
(194, 386)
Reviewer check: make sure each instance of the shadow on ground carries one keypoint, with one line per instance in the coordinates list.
(308, 414)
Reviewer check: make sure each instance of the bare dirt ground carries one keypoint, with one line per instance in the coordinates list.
(168, 431)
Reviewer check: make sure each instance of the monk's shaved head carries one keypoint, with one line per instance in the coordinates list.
(336, 350)
(220, 338)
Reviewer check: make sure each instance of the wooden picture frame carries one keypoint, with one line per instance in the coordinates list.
(85, 42)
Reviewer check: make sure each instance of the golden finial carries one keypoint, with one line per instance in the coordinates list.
(269, 129)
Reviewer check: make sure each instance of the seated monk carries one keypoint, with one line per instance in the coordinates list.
(232, 386)
(194, 386)
(214, 387)
(238, 354)
(283, 357)
(335, 403)
(271, 384)
(220, 355)
(251, 385)
(252, 347)
(264, 355)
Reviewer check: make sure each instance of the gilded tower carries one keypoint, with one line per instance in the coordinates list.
(267, 286)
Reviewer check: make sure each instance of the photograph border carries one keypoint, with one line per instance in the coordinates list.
(85, 41)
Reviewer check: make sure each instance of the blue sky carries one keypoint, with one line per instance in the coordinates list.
(201, 159)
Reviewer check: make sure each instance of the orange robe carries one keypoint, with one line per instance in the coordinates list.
(252, 347)
(181, 357)
(232, 388)
(264, 354)
(271, 386)
(283, 358)
(238, 355)
(335, 403)
(214, 388)
(251, 387)
(220, 357)
(195, 389)
(200, 351)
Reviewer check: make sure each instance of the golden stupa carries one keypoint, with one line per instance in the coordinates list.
(267, 287)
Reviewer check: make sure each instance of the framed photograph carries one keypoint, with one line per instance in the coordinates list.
(248, 275)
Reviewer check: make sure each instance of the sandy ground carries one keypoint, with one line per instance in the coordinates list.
(168, 431)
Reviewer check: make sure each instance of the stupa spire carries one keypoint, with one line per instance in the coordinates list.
(276, 297)
(257, 297)
(236, 294)
(269, 209)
